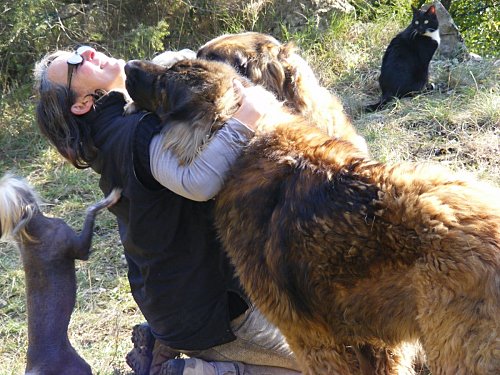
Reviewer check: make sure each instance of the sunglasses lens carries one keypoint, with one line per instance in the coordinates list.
(83, 49)
(74, 59)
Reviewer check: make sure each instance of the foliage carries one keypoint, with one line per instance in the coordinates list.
(370, 10)
(479, 24)
(477, 21)
(141, 28)
(31, 28)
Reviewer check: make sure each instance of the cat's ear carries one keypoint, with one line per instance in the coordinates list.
(415, 10)
(431, 10)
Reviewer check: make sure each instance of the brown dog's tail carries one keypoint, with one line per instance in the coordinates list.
(18, 204)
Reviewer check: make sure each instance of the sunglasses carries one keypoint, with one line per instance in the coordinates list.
(75, 60)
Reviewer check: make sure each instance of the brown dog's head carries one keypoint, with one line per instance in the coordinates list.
(242, 51)
(263, 60)
(193, 98)
(281, 70)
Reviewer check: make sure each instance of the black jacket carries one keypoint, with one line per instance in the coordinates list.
(178, 272)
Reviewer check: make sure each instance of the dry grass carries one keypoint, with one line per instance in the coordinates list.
(457, 125)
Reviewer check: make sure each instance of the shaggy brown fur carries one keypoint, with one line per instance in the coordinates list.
(340, 250)
(48, 248)
(280, 69)
(172, 98)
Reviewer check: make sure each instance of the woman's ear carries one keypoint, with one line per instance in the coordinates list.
(83, 106)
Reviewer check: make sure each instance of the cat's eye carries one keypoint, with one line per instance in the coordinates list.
(426, 21)
(416, 22)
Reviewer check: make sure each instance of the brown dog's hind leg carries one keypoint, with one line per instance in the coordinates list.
(459, 314)
(385, 361)
(327, 360)
(318, 356)
(371, 360)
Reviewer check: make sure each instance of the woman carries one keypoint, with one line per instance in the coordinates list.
(178, 273)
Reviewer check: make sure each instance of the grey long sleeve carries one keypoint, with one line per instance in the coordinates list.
(203, 178)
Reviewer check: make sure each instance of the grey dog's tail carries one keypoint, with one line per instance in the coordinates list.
(18, 204)
(110, 200)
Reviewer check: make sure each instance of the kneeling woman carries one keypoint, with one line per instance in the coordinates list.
(178, 272)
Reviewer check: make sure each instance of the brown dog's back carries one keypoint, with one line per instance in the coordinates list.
(348, 249)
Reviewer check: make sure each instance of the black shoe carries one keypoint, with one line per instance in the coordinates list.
(140, 357)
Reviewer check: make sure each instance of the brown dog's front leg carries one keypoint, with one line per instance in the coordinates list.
(84, 239)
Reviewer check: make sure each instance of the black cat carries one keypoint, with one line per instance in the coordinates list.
(405, 65)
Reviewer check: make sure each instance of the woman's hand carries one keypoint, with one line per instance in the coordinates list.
(255, 102)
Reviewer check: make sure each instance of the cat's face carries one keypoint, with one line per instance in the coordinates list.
(425, 22)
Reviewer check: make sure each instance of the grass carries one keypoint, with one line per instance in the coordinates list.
(457, 125)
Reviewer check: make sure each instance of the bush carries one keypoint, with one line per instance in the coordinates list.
(479, 23)
(34, 27)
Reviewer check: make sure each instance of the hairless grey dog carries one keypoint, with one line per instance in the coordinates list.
(48, 249)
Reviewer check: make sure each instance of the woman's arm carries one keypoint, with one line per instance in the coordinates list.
(203, 178)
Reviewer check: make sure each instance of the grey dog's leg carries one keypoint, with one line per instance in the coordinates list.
(84, 240)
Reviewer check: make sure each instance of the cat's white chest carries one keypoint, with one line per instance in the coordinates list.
(433, 35)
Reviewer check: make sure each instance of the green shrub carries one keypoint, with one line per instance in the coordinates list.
(479, 24)
(35, 27)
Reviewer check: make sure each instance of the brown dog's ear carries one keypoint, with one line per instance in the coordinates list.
(173, 99)
(266, 68)
(299, 81)
(187, 121)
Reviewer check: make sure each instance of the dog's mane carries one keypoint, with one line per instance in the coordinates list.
(195, 113)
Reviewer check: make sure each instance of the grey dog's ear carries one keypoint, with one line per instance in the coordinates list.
(169, 58)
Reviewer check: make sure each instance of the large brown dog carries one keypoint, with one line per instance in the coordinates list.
(340, 250)
(280, 69)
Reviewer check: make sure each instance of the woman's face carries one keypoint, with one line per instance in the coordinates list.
(96, 72)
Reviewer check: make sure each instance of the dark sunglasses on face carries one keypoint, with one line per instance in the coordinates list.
(75, 60)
